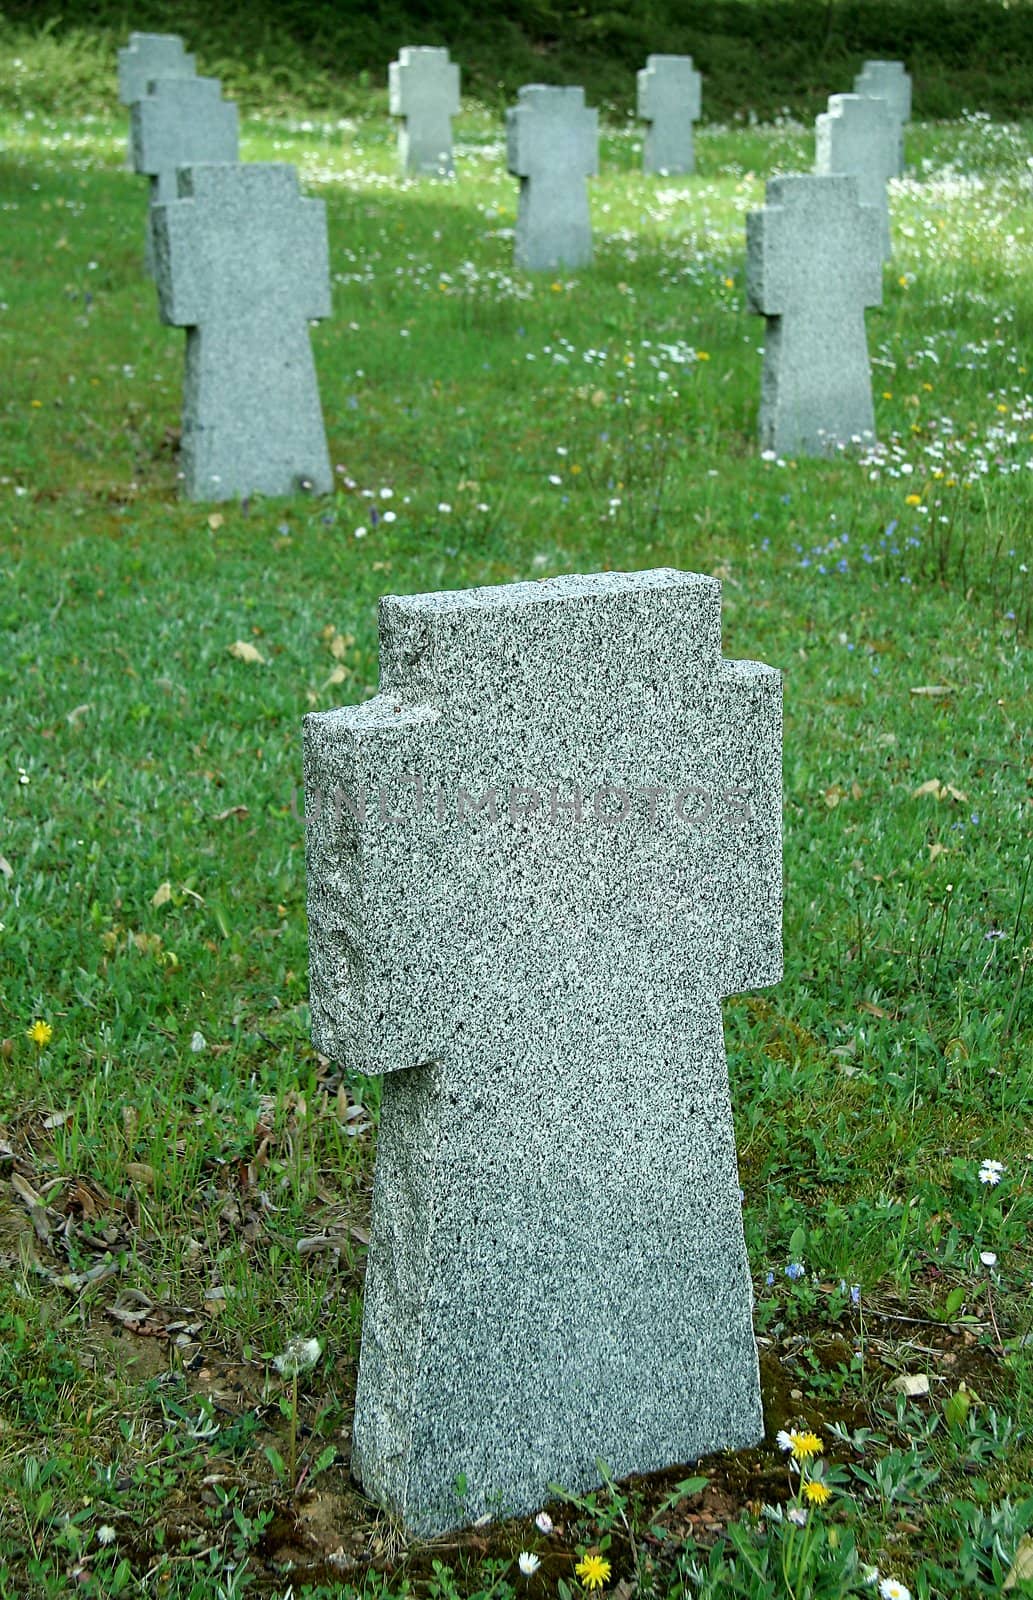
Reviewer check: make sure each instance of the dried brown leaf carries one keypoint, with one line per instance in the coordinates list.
(913, 1384)
(1022, 1566)
(241, 650)
(25, 1192)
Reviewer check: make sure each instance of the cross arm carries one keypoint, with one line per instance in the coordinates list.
(645, 82)
(758, 246)
(178, 264)
(395, 89)
(312, 259)
(357, 763)
(746, 864)
(516, 138)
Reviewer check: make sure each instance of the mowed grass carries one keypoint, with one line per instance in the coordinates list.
(185, 1182)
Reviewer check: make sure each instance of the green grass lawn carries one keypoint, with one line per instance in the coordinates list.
(184, 1182)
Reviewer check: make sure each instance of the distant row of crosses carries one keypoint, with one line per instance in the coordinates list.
(241, 260)
(423, 87)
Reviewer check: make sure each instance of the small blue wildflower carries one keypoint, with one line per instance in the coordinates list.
(794, 1270)
(855, 1294)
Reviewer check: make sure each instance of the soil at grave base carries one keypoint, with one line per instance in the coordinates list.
(329, 1537)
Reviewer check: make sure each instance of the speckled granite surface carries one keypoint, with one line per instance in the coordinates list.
(813, 263)
(536, 861)
(552, 146)
(669, 101)
(423, 89)
(857, 137)
(242, 263)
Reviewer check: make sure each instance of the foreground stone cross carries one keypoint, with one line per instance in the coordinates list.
(242, 264)
(813, 263)
(148, 56)
(423, 88)
(552, 141)
(889, 81)
(669, 100)
(537, 860)
(857, 138)
(179, 122)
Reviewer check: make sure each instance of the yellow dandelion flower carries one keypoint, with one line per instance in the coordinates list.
(903, 282)
(729, 283)
(806, 1445)
(593, 1571)
(913, 500)
(887, 394)
(40, 1033)
(701, 355)
(818, 1493)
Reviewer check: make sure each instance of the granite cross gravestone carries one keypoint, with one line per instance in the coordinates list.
(179, 122)
(148, 56)
(537, 860)
(242, 263)
(669, 100)
(552, 141)
(856, 137)
(423, 89)
(813, 263)
(887, 80)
